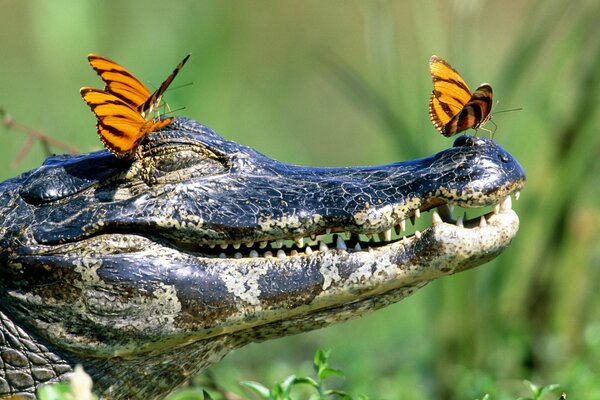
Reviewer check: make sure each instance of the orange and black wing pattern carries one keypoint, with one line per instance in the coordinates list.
(452, 106)
(124, 85)
(121, 127)
(122, 107)
(154, 99)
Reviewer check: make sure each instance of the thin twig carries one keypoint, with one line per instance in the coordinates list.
(33, 134)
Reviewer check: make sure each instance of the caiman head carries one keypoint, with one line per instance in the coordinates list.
(147, 271)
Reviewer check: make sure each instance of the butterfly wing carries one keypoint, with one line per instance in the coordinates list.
(121, 127)
(452, 106)
(154, 100)
(474, 113)
(119, 82)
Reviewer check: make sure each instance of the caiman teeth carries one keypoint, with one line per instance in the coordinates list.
(299, 241)
(340, 244)
(506, 204)
(435, 218)
(482, 222)
(355, 241)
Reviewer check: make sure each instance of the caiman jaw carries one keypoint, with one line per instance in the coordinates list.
(495, 220)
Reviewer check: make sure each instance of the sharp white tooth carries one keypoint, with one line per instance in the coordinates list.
(451, 207)
(323, 246)
(357, 247)
(445, 213)
(327, 231)
(299, 242)
(212, 245)
(496, 208)
(506, 204)
(308, 251)
(404, 240)
(253, 253)
(517, 195)
(279, 243)
(435, 218)
(459, 222)
(237, 255)
(262, 245)
(222, 255)
(340, 244)
(236, 245)
(418, 213)
(387, 235)
(370, 249)
(223, 246)
(403, 225)
(313, 236)
(294, 252)
(268, 254)
(249, 244)
(280, 253)
(482, 222)
(417, 234)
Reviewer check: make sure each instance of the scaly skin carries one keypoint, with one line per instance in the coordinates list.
(148, 271)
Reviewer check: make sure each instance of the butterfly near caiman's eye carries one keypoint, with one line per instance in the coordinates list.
(122, 107)
(452, 106)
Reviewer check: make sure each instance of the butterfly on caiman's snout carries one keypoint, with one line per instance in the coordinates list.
(452, 106)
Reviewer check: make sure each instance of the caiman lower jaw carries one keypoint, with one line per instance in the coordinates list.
(493, 222)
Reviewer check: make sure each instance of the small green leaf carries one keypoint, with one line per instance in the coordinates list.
(258, 388)
(533, 387)
(321, 359)
(549, 388)
(307, 380)
(288, 382)
(327, 372)
(339, 393)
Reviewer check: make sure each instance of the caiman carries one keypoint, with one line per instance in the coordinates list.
(146, 271)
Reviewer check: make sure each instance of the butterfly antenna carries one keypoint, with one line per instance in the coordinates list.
(180, 86)
(509, 110)
(172, 111)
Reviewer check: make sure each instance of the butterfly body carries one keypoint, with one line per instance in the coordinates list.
(122, 107)
(452, 106)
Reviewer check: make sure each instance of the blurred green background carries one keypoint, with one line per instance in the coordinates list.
(336, 83)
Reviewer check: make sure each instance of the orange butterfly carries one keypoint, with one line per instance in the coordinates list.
(452, 106)
(121, 108)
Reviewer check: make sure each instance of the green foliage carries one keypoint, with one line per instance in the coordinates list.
(539, 392)
(283, 389)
